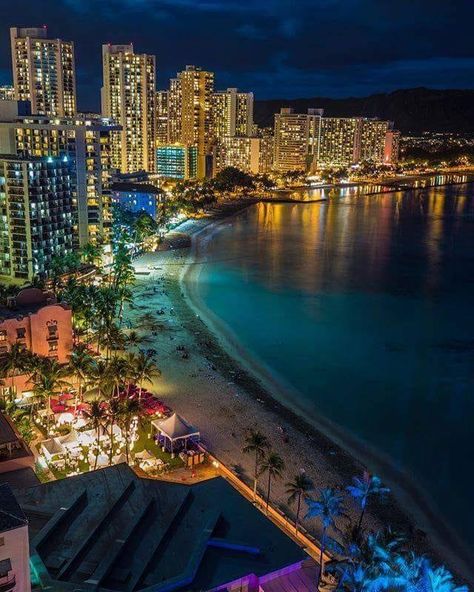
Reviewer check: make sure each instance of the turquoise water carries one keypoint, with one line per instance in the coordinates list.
(364, 305)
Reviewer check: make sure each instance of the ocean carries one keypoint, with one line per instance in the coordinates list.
(363, 306)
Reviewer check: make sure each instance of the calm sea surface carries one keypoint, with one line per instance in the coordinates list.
(364, 304)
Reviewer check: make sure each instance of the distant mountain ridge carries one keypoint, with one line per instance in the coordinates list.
(412, 110)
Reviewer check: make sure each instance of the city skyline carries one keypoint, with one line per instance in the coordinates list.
(262, 49)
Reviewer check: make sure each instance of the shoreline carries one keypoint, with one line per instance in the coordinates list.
(411, 500)
(331, 462)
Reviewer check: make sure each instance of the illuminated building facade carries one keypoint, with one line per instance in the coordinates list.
(43, 71)
(177, 161)
(296, 139)
(138, 198)
(339, 141)
(162, 99)
(36, 321)
(86, 141)
(37, 221)
(392, 147)
(174, 111)
(7, 93)
(190, 112)
(267, 149)
(239, 152)
(349, 140)
(372, 140)
(128, 97)
(232, 113)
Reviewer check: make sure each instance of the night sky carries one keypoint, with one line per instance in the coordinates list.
(277, 48)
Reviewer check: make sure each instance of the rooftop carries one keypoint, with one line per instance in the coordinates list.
(110, 530)
(136, 187)
(11, 515)
(7, 433)
(20, 478)
(27, 301)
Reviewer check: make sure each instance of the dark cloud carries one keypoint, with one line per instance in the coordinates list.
(278, 48)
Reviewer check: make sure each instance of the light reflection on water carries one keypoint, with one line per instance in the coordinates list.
(364, 305)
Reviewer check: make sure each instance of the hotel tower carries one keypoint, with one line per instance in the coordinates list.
(128, 97)
(232, 113)
(190, 120)
(43, 71)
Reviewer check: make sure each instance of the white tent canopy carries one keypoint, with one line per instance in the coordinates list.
(70, 440)
(175, 428)
(52, 448)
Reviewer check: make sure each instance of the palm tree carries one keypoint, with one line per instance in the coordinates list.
(413, 573)
(375, 553)
(296, 490)
(328, 508)
(80, 363)
(129, 410)
(134, 339)
(91, 253)
(148, 322)
(113, 414)
(438, 579)
(49, 378)
(274, 465)
(98, 416)
(363, 488)
(143, 369)
(99, 379)
(258, 444)
(120, 371)
(14, 360)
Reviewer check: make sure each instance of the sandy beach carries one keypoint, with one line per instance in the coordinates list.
(217, 391)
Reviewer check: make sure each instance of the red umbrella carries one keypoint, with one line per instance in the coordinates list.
(58, 408)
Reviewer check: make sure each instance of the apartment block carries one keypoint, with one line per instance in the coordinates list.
(87, 141)
(43, 71)
(232, 113)
(243, 153)
(296, 139)
(162, 100)
(190, 112)
(37, 221)
(177, 162)
(128, 98)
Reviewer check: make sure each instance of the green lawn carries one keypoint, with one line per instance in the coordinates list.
(143, 442)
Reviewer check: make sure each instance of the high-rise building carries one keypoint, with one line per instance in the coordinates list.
(86, 141)
(162, 117)
(37, 214)
(7, 93)
(176, 161)
(190, 112)
(349, 140)
(243, 153)
(232, 113)
(43, 71)
(392, 147)
(128, 97)
(372, 139)
(340, 141)
(267, 149)
(296, 139)
(174, 111)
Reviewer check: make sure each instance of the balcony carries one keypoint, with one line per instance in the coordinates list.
(7, 584)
